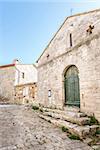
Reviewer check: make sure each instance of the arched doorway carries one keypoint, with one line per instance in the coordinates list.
(71, 84)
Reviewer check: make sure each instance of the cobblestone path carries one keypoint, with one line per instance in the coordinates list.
(22, 129)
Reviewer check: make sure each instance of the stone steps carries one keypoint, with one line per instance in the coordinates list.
(69, 118)
(82, 131)
(76, 122)
(65, 112)
(73, 109)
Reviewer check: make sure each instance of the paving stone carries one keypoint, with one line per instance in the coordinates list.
(9, 148)
(96, 147)
(23, 129)
(88, 140)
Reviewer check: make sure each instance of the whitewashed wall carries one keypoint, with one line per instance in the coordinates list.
(30, 74)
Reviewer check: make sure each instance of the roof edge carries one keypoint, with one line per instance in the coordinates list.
(5, 66)
(78, 14)
(26, 64)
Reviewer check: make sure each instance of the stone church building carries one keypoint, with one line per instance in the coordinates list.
(69, 67)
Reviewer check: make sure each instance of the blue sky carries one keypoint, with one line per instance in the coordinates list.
(26, 26)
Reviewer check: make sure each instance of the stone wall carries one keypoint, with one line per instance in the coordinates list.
(84, 54)
(7, 79)
(25, 93)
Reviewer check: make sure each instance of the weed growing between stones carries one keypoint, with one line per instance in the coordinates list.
(73, 137)
(64, 129)
(98, 132)
(35, 107)
(93, 120)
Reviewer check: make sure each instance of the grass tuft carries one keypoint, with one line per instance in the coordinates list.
(98, 132)
(35, 107)
(93, 120)
(64, 129)
(74, 137)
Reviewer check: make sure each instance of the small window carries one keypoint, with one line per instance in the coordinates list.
(47, 56)
(70, 39)
(23, 75)
(49, 93)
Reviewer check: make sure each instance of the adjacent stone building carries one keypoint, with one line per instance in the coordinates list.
(18, 83)
(69, 67)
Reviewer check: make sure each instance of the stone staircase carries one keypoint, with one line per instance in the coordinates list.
(76, 123)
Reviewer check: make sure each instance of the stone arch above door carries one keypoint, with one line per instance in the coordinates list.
(71, 86)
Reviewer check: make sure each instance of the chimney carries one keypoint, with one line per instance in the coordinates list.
(16, 61)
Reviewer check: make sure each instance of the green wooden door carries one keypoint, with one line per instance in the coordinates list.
(72, 94)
